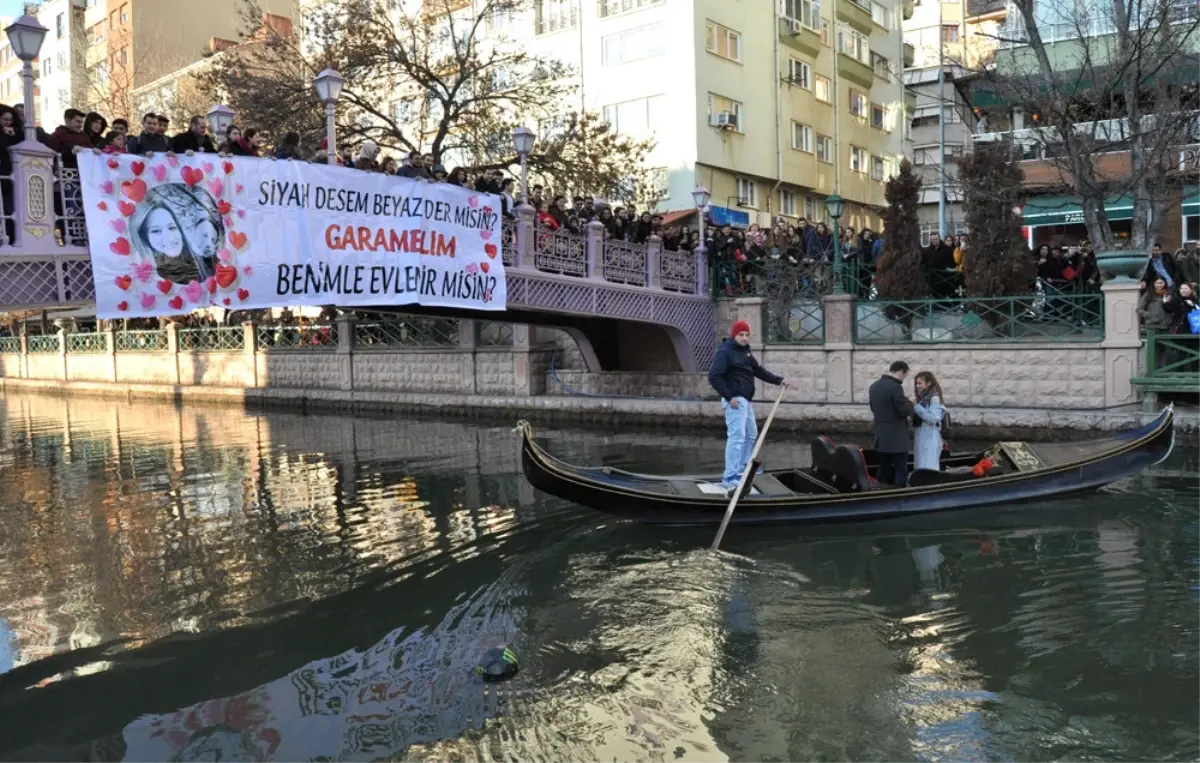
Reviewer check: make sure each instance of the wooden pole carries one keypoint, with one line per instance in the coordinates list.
(737, 493)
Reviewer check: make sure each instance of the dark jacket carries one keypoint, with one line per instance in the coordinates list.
(733, 372)
(940, 257)
(190, 141)
(1150, 274)
(65, 141)
(892, 411)
(148, 144)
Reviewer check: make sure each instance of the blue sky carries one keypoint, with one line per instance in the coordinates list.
(11, 7)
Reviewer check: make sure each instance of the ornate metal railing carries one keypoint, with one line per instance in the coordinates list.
(1027, 318)
(559, 252)
(795, 312)
(94, 342)
(315, 336)
(624, 262)
(72, 229)
(508, 240)
(214, 339)
(493, 334)
(677, 271)
(153, 340)
(408, 332)
(41, 343)
(10, 345)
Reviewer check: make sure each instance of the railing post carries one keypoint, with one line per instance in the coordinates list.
(24, 354)
(1121, 341)
(653, 261)
(467, 333)
(250, 349)
(62, 351)
(701, 269)
(523, 256)
(33, 198)
(110, 346)
(172, 329)
(595, 249)
(345, 349)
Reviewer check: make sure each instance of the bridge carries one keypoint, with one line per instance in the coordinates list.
(628, 306)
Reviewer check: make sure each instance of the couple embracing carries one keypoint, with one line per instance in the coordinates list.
(893, 410)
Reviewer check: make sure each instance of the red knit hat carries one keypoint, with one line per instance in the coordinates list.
(738, 327)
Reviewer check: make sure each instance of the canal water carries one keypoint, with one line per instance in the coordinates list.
(182, 582)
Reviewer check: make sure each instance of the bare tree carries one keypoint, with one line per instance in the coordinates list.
(1099, 80)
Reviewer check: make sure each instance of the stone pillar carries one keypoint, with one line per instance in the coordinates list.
(1122, 341)
(172, 330)
(523, 256)
(110, 344)
(595, 250)
(467, 341)
(33, 200)
(653, 256)
(250, 350)
(24, 354)
(345, 349)
(839, 347)
(62, 352)
(523, 381)
(701, 269)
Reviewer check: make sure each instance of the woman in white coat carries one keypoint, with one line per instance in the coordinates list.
(930, 411)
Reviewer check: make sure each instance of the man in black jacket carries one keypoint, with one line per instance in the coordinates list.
(195, 139)
(892, 412)
(732, 376)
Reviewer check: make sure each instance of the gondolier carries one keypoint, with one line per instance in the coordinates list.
(732, 376)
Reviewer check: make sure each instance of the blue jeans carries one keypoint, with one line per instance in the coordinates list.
(741, 430)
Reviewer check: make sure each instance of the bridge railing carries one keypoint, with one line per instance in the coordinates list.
(44, 249)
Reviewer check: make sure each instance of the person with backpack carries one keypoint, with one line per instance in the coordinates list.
(930, 418)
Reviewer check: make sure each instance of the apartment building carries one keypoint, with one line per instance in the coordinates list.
(63, 60)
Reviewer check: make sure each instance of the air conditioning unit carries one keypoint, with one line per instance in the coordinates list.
(743, 202)
(793, 27)
(726, 120)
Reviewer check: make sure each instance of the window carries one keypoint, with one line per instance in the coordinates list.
(878, 116)
(858, 104)
(822, 88)
(47, 69)
(500, 18)
(800, 73)
(807, 12)
(879, 14)
(825, 33)
(112, 20)
(811, 208)
(802, 137)
(950, 33)
(655, 181)
(787, 203)
(722, 41)
(60, 25)
(882, 67)
(123, 56)
(952, 115)
(877, 168)
(637, 118)
(613, 7)
(553, 16)
(825, 149)
(923, 156)
(858, 159)
(402, 111)
(124, 14)
(855, 44)
(719, 104)
(633, 45)
(747, 192)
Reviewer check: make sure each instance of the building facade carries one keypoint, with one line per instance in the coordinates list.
(62, 60)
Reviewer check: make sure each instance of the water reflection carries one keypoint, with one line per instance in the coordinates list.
(196, 583)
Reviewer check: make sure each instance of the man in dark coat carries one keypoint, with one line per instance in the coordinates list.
(892, 412)
(732, 376)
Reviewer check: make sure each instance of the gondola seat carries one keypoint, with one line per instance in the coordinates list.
(849, 468)
(822, 454)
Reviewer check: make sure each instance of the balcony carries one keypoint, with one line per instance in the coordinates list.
(559, 20)
(857, 16)
(910, 55)
(606, 8)
(799, 37)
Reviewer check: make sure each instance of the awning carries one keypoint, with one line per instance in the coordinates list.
(1067, 210)
(677, 215)
(1191, 205)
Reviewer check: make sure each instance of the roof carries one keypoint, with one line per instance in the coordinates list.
(670, 218)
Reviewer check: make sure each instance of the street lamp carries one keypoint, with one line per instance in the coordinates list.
(834, 206)
(220, 117)
(26, 36)
(701, 196)
(523, 140)
(329, 87)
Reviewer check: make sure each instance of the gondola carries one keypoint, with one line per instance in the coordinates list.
(840, 486)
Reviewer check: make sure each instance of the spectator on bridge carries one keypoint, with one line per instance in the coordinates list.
(121, 125)
(938, 255)
(507, 202)
(818, 244)
(114, 142)
(415, 167)
(290, 148)
(1181, 304)
(1153, 307)
(1187, 263)
(95, 126)
(164, 124)
(388, 165)
(150, 141)
(70, 135)
(368, 154)
(247, 143)
(1159, 267)
(457, 177)
(10, 135)
(195, 139)
(43, 137)
(960, 251)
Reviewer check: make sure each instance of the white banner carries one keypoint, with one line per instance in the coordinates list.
(171, 234)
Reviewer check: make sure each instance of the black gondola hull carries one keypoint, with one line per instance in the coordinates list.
(617, 493)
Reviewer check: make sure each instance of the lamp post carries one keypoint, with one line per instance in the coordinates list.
(26, 36)
(701, 196)
(219, 117)
(834, 206)
(329, 87)
(523, 140)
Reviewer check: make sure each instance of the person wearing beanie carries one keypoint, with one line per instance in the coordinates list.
(732, 376)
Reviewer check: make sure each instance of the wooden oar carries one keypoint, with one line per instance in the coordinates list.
(737, 494)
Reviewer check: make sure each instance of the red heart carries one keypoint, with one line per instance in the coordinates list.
(126, 208)
(228, 167)
(124, 282)
(226, 301)
(102, 206)
(191, 175)
(484, 266)
(134, 189)
(122, 306)
(165, 286)
(113, 164)
(223, 207)
(120, 246)
(176, 302)
(490, 249)
(138, 168)
(237, 239)
(226, 275)
(211, 284)
(243, 294)
(487, 209)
